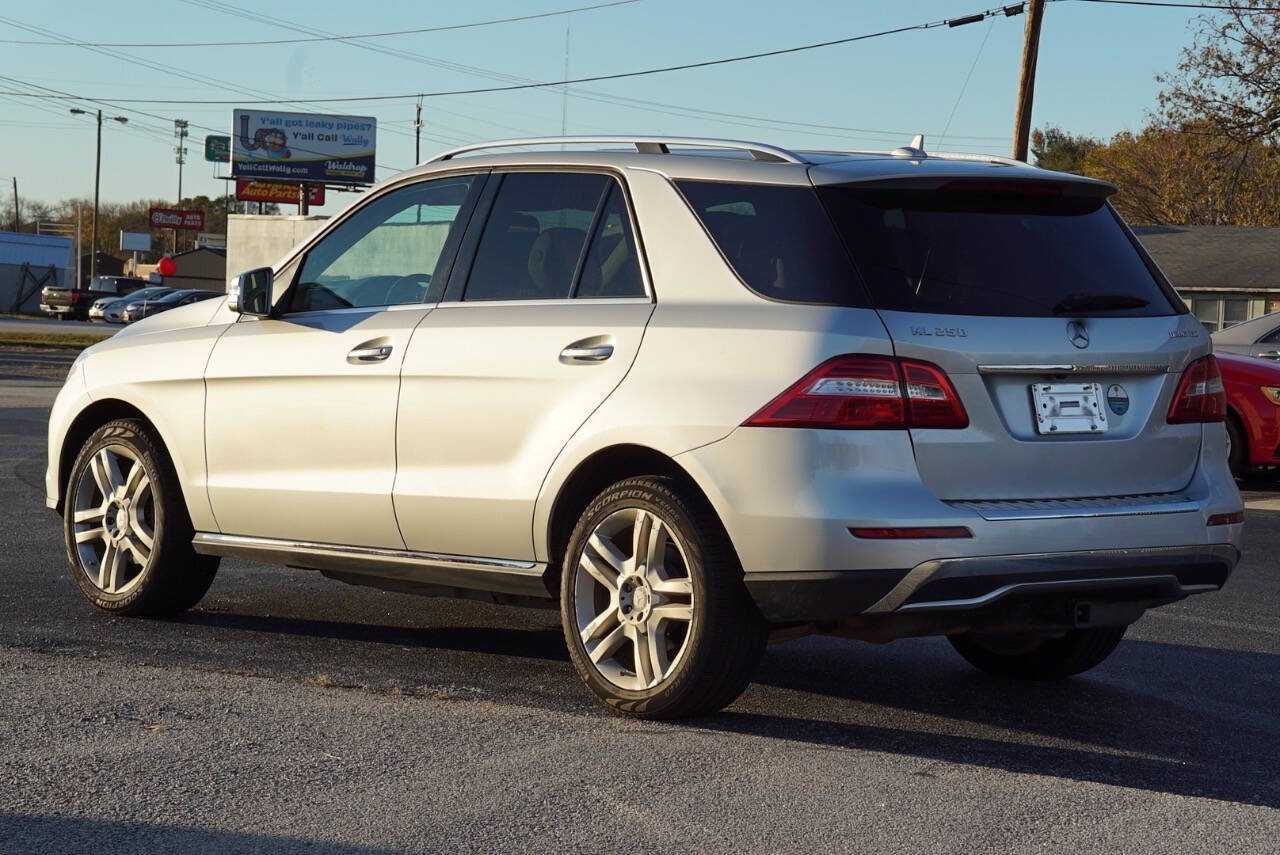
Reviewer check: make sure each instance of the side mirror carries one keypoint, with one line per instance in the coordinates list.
(252, 295)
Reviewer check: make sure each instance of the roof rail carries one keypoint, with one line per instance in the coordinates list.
(980, 158)
(644, 145)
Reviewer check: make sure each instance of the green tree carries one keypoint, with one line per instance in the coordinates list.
(1060, 151)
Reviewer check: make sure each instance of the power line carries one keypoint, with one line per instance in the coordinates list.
(967, 78)
(681, 111)
(1001, 11)
(55, 94)
(419, 30)
(167, 70)
(1171, 4)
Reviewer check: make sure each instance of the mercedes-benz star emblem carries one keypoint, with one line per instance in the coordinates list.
(1078, 334)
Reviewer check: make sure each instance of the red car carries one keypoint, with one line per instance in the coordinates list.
(1253, 411)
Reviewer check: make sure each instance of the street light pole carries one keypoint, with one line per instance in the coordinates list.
(97, 177)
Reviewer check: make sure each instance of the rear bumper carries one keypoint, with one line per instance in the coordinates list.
(980, 587)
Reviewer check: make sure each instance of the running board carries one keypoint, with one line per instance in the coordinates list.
(402, 569)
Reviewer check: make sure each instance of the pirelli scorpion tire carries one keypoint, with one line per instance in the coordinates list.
(1029, 658)
(657, 619)
(128, 535)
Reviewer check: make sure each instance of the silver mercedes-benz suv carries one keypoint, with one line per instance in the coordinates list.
(695, 392)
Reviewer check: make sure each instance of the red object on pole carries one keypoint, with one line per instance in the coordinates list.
(167, 266)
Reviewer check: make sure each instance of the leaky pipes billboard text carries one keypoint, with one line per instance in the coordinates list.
(303, 147)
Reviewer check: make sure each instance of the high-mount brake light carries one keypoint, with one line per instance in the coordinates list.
(1002, 188)
(1201, 396)
(862, 391)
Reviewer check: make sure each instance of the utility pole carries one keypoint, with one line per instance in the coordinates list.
(1027, 81)
(417, 134)
(180, 154)
(17, 212)
(97, 177)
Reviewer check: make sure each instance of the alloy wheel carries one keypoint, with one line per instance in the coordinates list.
(634, 599)
(114, 520)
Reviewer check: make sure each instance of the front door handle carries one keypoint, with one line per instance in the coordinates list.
(592, 353)
(1270, 354)
(369, 354)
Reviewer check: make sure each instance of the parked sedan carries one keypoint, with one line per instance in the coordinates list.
(136, 310)
(111, 309)
(1258, 337)
(1253, 411)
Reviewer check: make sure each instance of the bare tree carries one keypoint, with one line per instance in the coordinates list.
(1229, 77)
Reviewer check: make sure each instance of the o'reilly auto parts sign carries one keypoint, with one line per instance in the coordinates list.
(303, 147)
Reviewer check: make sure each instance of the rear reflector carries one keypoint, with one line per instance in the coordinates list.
(911, 533)
(1226, 519)
(1201, 396)
(868, 392)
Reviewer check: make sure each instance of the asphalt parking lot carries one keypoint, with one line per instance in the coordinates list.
(292, 713)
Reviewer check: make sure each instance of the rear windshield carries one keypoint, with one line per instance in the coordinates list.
(778, 240)
(970, 250)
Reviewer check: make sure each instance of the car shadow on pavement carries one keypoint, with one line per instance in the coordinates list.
(28, 833)
(504, 641)
(1192, 734)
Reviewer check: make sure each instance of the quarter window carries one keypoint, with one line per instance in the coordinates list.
(392, 251)
(778, 240)
(549, 232)
(612, 265)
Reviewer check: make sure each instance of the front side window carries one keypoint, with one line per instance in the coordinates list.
(550, 236)
(392, 251)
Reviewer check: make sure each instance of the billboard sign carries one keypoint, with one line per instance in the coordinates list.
(217, 149)
(135, 241)
(173, 218)
(275, 191)
(303, 147)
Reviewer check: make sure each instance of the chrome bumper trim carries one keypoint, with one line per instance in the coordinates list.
(1129, 561)
(1061, 509)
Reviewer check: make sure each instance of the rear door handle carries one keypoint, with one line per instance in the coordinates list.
(592, 353)
(369, 354)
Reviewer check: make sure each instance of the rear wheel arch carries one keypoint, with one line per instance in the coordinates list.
(592, 475)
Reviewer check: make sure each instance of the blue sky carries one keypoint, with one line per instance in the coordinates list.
(1096, 76)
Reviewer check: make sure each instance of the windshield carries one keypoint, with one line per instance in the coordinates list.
(1012, 251)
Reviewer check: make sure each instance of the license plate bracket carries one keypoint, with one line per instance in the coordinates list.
(1068, 408)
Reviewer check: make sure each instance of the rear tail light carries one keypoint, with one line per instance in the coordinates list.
(866, 392)
(1200, 397)
(1226, 519)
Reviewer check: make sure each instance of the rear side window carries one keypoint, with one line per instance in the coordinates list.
(778, 240)
(967, 249)
(535, 235)
(1272, 338)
